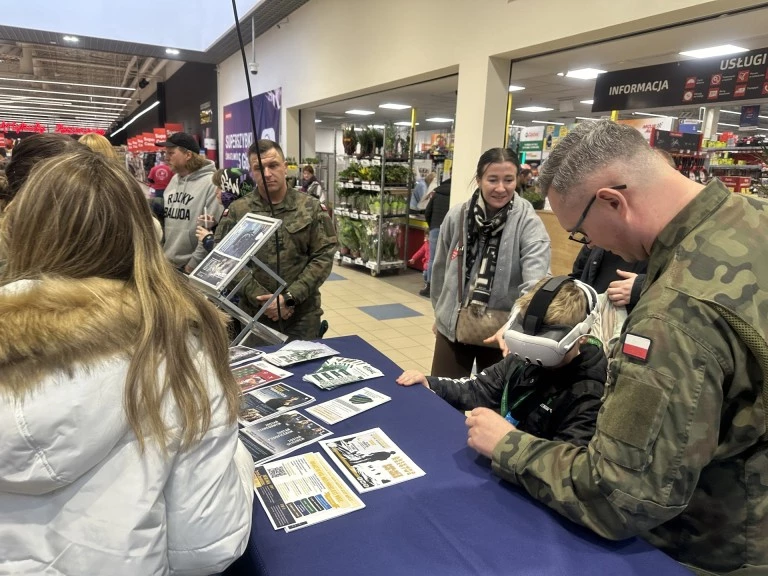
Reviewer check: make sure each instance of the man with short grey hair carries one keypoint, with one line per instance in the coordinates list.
(680, 453)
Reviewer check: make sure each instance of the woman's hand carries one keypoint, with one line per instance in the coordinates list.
(498, 338)
(201, 233)
(411, 377)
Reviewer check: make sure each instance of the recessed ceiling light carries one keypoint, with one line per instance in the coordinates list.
(561, 73)
(439, 119)
(545, 122)
(404, 123)
(171, 51)
(71, 39)
(377, 126)
(712, 51)
(356, 112)
(534, 109)
(513, 88)
(67, 84)
(392, 106)
(317, 120)
(584, 73)
(587, 101)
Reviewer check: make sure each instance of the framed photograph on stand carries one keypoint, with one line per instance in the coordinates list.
(224, 264)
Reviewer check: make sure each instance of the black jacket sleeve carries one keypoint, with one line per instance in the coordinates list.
(428, 211)
(635, 294)
(481, 391)
(576, 416)
(582, 259)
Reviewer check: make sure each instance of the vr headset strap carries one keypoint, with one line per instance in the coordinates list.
(537, 309)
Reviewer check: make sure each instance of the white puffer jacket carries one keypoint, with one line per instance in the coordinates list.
(77, 496)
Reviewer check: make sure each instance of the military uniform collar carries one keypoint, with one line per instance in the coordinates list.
(288, 203)
(688, 219)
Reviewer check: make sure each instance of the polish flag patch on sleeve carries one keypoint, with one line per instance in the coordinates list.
(636, 346)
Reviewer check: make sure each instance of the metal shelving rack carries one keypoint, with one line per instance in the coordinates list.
(377, 265)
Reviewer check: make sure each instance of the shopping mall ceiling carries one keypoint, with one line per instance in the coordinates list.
(543, 86)
(85, 62)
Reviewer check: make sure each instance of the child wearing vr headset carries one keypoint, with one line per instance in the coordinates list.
(552, 381)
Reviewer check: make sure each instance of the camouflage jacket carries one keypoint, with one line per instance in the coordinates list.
(307, 245)
(680, 453)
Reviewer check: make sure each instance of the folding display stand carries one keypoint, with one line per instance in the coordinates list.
(230, 258)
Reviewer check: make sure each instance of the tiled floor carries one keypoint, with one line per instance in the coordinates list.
(354, 300)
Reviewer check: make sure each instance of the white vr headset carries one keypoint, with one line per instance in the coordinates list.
(529, 339)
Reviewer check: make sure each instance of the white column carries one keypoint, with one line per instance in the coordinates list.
(291, 133)
(307, 134)
(481, 110)
(709, 127)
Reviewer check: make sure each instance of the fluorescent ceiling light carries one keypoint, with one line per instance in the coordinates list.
(585, 118)
(378, 126)
(654, 115)
(584, 73)
(545, 122)
(513, 88)
(586, 101)
(71, 39)
(738, 113)
(724, 124)
(404, 123)
(561, 73)
(439, 119)
(534, 109)
(724, 50)
(356, 112)
(132, 120)
(317, 120)
(65, 101)
(51, 108)
(391, 106)
(65, 93)
(171, 51)
(67, 84)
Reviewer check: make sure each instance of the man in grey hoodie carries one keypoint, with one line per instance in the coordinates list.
(189, 194)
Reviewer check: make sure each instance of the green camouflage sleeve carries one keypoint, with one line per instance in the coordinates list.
(657, 429)
(322, 246)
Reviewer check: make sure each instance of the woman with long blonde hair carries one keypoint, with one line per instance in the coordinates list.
(118, 450)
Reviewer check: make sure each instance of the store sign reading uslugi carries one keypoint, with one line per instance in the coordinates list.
(692, 82)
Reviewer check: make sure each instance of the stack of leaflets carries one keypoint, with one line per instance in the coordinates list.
(281, 434)
(257, 374)
(370, 460)
(241, 354)
(338, 409)
(303, 490)
(339, 371)
(299, 351)
(270, 400)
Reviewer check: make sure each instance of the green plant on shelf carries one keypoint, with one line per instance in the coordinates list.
(533, 196)
(397, 175)
(349, 140)
(314, 161)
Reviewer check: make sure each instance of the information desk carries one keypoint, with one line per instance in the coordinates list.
(459, 519)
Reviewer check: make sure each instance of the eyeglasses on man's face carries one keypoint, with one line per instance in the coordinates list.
(575, 233)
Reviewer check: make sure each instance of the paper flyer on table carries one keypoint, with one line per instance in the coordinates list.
(281, 434)
(370, 460)
(259, 373)
(239, 355)
(270, 400)
(340, 371)
(299, 351)
(343, 407)
(303, 490)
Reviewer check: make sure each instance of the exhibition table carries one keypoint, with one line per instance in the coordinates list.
(458, 519)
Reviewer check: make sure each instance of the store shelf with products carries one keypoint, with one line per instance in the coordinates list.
(736, 167)
(372, 208)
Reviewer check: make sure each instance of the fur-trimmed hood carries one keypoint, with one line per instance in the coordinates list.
(53, 325)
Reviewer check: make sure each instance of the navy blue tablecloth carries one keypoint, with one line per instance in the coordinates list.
(458, 519)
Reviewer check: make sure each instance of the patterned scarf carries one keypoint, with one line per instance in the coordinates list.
(483, 239)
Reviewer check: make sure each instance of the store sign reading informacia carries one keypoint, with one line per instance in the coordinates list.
(694, 82)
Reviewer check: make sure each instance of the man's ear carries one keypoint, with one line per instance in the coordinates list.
(614, 198)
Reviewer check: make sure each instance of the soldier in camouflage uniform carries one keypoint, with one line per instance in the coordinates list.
(307, 244)
(680, 452)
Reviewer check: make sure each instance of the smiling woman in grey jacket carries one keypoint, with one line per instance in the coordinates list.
(499, 245)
